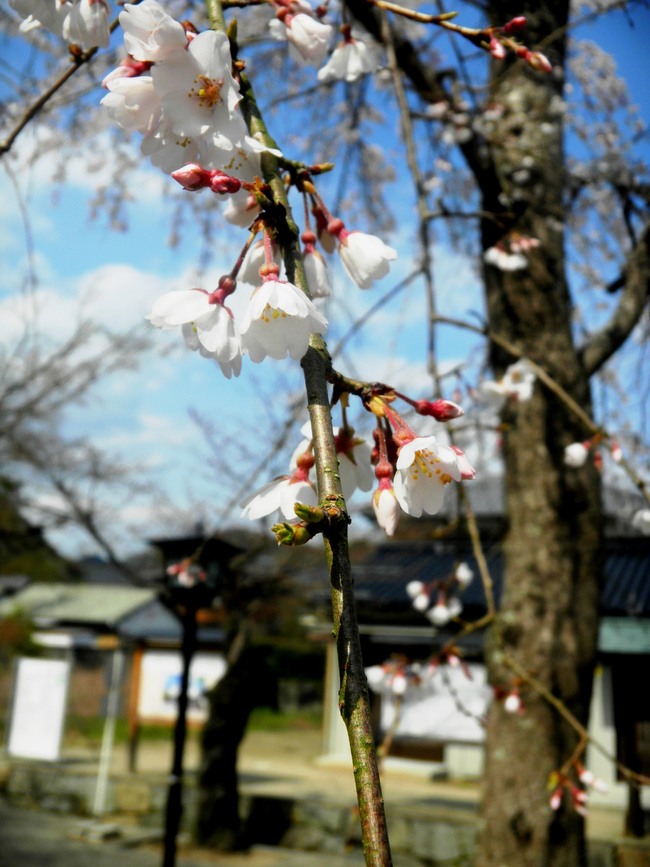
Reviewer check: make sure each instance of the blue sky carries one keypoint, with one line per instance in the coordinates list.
(142, 416)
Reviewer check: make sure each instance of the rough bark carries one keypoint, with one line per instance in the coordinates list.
(549, 610)
(241, 689)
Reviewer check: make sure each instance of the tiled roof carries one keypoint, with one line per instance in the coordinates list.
(380, 581)
(100, 605)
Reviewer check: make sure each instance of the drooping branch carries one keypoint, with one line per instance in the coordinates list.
(428, 82)
(600, 347)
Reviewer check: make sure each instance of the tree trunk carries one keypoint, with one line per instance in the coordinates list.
(549, 609)
(244, 686)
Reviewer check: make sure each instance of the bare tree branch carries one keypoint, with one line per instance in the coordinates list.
(600, 347)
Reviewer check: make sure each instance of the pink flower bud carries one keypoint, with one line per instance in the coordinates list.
(556, 799)
(222, 183)
(192, 177)
(441, 410)
(616, 452)
(539, 61)
(514, 25)
(496, 48)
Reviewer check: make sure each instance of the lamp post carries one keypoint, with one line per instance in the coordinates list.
(186, 590)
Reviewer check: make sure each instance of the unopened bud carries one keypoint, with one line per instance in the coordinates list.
(222, 183)
(192, 177)
(335, 226)
(441, 410)
(514, 25)
(539, 61)
(496, 48)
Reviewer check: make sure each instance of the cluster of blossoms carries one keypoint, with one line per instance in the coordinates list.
(501, 41)
(576, 454)
(517, 384)
(187, 573)
(394, 676)
(83, 23)
(309, 39)
(510, 254)
(411, 471)
(436, 599)
(176, 87)
(559, 783)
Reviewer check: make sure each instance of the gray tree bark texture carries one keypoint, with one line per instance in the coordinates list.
(548, 616)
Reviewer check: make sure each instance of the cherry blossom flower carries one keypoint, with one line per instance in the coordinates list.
(196, 87)
(317, 274)
(588, 778)
(241, 209)
(150, 33)
(512, 702)
(422, 601)
(423, 470)
(386, 507)
(128, 67)
(414, 588)
(365, 257)
(134, 104)
(463, 574)
(280, 494)
(278, 322)
(87, 24)
(517, 383)
(41, 13)
(308, 38)
(576, 454)
(83, 22)
(503, 260)
(467, 471)
(556, 798)
(207, 325)
(641, 521)
(616, 452)
(519, 380)
(350, 60)
(444, 610)
(354, 457)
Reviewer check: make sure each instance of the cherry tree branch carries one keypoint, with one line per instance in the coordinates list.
(600, 347)
(354, 700)
(78, 59)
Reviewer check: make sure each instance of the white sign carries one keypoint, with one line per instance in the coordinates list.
(38, 708)
(160, 681)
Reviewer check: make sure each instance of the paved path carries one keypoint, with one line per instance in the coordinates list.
(35, 838)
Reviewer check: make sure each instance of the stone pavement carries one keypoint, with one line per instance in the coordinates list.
(276, 768)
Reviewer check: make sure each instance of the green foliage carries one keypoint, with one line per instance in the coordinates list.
(263, 719)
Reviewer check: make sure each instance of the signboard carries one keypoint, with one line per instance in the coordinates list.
(38, 708)
(447, 708)
(160, 680)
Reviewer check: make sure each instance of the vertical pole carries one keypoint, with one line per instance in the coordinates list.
(134, 697)
(112, 707)
(174, 808)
